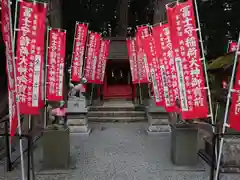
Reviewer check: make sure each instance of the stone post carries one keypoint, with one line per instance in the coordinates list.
(77, 120)
(157, 118)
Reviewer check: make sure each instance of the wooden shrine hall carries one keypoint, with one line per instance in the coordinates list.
(117, 80)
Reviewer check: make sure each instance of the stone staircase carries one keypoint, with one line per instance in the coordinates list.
(116, 111)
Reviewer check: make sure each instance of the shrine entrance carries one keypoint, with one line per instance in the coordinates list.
(118, 81)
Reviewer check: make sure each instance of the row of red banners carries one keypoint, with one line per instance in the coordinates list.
(25, 68)
(168, 55)
(93, 67)
(26, 75)
(172, 60)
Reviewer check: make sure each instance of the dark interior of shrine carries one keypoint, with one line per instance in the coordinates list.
(118, 72)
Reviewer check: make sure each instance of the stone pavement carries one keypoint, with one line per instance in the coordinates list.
(120, 152)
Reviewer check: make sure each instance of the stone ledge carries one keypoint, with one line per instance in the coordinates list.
(231, 153)
(230, 162)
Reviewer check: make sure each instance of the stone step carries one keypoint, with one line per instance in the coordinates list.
(116, 114)
(117, 119)
(115, 108)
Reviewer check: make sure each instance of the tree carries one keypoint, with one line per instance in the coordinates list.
(219, 23)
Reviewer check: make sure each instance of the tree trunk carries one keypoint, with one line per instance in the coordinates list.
(123, 18)
(160, 14)
(55, 16)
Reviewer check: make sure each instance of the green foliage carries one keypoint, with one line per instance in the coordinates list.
(221, 62)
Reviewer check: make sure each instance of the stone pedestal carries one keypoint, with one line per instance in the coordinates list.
(184, 145)
(56, 149)
(231, 155)
(157, 118)
(77, 120)
(78, 123)
(230, 162)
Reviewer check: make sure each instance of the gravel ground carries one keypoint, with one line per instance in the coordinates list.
(119, 152)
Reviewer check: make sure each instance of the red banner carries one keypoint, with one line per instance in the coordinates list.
(30, 55)
(132, 54)
(162, 36)
(232, 46)
(40, 22)
(154, 67)
(92, 57)
(192, 91)
(106, 58)
(8, 39)
(56, 60)
(234, 112)
(80, 38)
(142, 31)
(102, 61)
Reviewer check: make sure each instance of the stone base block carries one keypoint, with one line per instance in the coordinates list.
(82, 130)
(157, 122)
(152, 108)
(184, 146)
(56, 149)
(231, 155)
(76, 116)
(77, 122)
(155, 130)
(76, 105)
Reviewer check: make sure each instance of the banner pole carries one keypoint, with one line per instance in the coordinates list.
(85, 53)
(30, 169)
(84, 63)
(140, 93)
(205, 67)
(205, 72)
(139, 85)
(16, 89)
(91, 100)
(74, 41)
(227, 109)
(30, 149)
(216, 112)
(8, 148)
(45, 80)
(228, 46)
